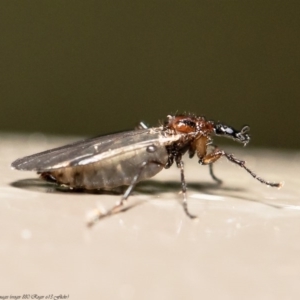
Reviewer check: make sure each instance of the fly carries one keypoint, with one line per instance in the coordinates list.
(126, 158)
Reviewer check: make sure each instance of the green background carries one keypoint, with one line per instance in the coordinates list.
(93, 67)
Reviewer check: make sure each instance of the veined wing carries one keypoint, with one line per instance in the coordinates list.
(91, 150)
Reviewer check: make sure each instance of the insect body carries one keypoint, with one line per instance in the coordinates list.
(128, 157)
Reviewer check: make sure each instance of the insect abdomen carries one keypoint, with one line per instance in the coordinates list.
(113, 171)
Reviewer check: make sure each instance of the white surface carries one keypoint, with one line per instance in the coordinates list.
(245, 245)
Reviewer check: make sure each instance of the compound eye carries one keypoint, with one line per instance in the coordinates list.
(185, 126)
(189, 123)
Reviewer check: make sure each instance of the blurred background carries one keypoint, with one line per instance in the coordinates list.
(94, 67)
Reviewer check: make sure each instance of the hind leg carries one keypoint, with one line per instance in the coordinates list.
(120, 205)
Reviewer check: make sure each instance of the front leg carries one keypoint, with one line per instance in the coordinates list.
(217, 153)
(210, 160)
(211, 157)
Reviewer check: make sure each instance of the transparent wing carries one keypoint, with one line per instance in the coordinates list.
(92, 150)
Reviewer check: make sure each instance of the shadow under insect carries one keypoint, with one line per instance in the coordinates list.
(147, 187)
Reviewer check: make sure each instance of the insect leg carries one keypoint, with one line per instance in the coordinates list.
(141, 125)
(169, 162)
(211, 171)
(217, 153)
(241, 163)
(180, 165)
(212, 174)
(119, 206)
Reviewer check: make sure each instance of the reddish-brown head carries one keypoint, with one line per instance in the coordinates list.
(187, 124)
